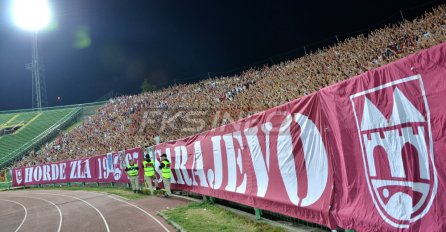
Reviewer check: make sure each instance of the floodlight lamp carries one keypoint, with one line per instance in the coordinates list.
(31, 15)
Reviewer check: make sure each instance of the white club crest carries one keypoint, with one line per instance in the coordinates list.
(18, 176)
(398, 151)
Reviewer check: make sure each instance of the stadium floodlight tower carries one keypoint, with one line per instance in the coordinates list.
(33, 16)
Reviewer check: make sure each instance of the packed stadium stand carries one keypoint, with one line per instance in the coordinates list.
(22, 131)
(127, 121)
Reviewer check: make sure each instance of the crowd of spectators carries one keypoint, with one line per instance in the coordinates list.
(132, 121)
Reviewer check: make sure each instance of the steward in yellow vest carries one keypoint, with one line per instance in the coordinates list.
(149, 173)
(166, 173)
(132, 173)
(149, 166)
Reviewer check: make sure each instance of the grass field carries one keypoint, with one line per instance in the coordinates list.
(199, 215)
(123, 192)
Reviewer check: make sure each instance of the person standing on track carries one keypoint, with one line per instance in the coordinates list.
(166, 173)
(132, 172)
(149, 173)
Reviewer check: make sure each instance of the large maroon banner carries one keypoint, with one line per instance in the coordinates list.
(389, 130)
(275, 160)
(365, 154)
(103, 168)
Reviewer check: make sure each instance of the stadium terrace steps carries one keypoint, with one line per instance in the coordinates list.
(6, 119)
(21, 118)
(35, 127)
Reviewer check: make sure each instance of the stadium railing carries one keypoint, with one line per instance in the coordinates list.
(84, 105)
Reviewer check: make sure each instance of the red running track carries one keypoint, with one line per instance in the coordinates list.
(56, 210)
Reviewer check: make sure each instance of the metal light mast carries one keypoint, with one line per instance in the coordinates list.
(39, 98)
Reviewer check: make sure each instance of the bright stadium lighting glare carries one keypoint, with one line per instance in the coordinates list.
(31, 15)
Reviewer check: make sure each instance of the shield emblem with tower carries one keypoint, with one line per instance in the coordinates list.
(394, 130)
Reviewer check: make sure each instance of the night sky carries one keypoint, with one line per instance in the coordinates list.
(99, 46)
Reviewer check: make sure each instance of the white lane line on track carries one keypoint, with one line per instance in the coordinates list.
(142, 210)
(92, 206)
(26, 213)
(57, 207)
(113, 196)
(123, 199)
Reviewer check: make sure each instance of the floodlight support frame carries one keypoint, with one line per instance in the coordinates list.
(39, 97)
